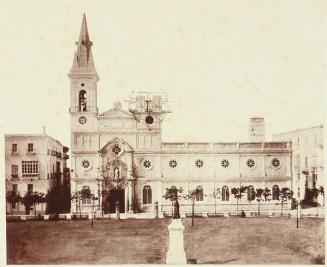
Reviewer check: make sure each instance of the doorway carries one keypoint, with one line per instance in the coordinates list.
(114, 196)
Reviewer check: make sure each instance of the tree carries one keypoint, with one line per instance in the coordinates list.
(238, 193)
(314, 193)
(83, 195)
(216, 195)
(103, 194)
(58, 200)
(322, 193)
(33, 198)
(77, 197)
(194, 195)
(12, 197)
(93, 199)
(285, 195)
(174, 194)
(267, 194)
(259, 197)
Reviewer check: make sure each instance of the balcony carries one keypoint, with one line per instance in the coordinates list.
(31, 176)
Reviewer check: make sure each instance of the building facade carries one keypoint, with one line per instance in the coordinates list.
(34, 162)
(119, 155)
(308, 157)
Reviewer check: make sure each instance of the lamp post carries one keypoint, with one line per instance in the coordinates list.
(298, 201)
(98, 180)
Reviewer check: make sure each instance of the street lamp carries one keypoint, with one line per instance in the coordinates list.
(298, 200)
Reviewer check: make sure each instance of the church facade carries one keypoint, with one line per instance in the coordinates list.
(119, 155)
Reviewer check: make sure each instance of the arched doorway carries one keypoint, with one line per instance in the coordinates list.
(110, 201)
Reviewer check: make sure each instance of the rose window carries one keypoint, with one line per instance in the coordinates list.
(250, 163)
(86, 164)
(199, 163)
(147, 164)
(275, 163)
(173, 163)
(116, 149)
(225, 163)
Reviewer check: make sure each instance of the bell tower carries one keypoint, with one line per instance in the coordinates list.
(83, 84)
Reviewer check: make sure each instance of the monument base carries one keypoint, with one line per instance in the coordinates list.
(176, 253)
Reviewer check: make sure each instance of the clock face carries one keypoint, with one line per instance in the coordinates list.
(149, 119)
(82, 120)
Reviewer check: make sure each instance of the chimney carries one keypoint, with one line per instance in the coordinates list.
(256, 130)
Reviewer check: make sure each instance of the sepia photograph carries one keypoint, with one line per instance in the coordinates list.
(163, 132)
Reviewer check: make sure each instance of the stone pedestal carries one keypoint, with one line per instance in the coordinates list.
(117, 211)
(156, 210)
(176, 253)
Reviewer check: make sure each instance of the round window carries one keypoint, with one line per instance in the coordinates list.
(173, 163)
(116, 149)
(147, 164)
(199, 163)
(250, 163)
(225, 163)
(275, 163)
(86, 164)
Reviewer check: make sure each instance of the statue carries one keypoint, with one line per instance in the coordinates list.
(176, 214)
(116, 173)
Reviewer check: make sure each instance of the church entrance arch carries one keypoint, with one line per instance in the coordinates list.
(111, 200)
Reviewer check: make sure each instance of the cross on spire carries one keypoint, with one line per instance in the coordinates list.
(83, 59)
(84, 54)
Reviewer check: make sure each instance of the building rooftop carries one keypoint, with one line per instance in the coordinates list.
(33, 135)
(299, 130)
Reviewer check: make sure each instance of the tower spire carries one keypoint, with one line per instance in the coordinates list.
(83, 59)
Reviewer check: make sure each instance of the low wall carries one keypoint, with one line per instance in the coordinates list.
(313, 212)
(211, 208)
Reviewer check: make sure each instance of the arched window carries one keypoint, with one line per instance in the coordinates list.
(147, 194)
(199, 193)
(225, 193)
(86, 194)
(250, 193)
(82, 100)
(275, 192)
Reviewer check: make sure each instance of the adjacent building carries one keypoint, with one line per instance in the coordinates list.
(119, 155)
(308, 157)
(34, 162)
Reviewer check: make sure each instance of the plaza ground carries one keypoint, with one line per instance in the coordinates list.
(254, 240)
(75, 242)
(211, 240)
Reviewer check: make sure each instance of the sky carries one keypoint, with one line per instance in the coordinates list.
(220, 62)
